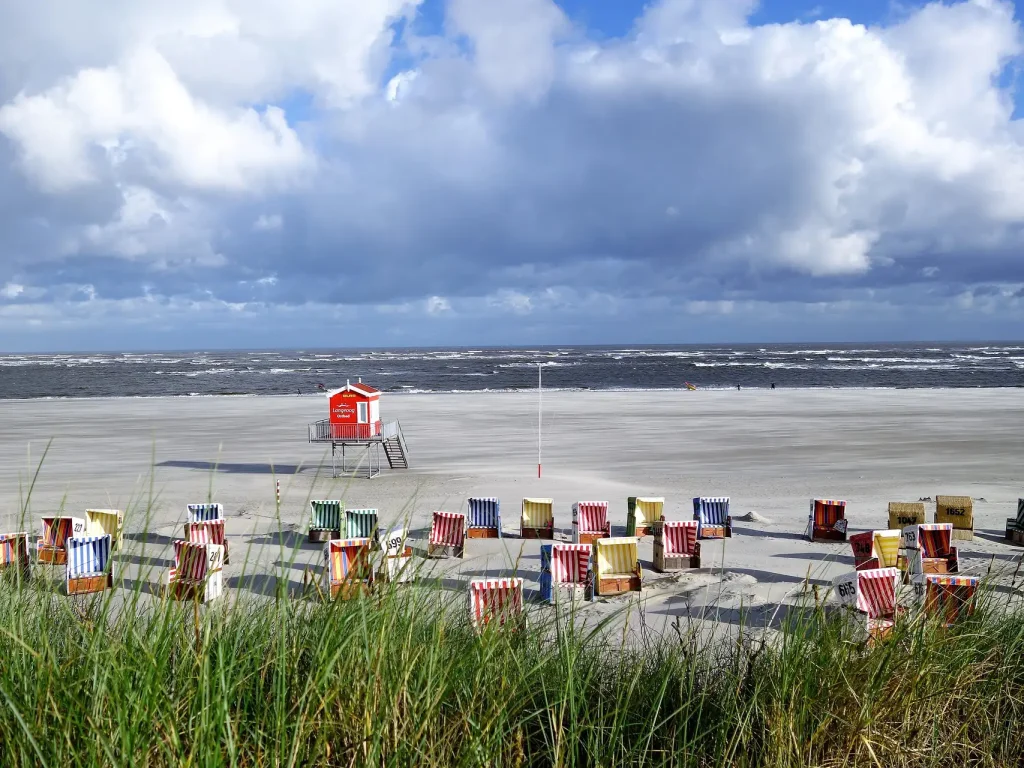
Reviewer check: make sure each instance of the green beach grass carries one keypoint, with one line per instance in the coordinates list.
(399, 678)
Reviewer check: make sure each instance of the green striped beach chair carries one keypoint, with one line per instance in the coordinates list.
(325, 519)
(361, 524)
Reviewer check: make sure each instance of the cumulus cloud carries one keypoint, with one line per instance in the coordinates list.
(511, 162)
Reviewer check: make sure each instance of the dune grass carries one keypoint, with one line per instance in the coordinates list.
(398, 678)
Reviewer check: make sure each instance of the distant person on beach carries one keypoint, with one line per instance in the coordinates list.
(773, 385)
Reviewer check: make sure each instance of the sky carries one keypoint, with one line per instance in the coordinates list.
(339, 173)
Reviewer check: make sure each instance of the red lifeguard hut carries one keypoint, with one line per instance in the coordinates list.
(354, 421)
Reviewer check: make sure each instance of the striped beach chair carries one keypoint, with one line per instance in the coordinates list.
(495, 602)
(88, 566)
(56, 532)
(484, 518)
(929, 549)
(676, 545)
(642, 512)
(958, 511)
(872, 594)
(101, 521)
(590, 522)
(447, 535)
(325, 519)
(396, 557)
(347, 568)
(617, 566)
(904, 513)
(564, 571)
(208, 532)
(946, 597)
(827, 520)
(361, 524)
(712, 514)
(538, 519)
(863, 551)
(14, 554)
(200, 513)
(1015, 525)
(197, 573)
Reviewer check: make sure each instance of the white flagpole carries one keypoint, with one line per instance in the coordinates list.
(539, 416)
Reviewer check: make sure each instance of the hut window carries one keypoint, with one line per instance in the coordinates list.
(363, 415)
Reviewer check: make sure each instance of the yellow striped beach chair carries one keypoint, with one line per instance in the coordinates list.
(617, 566)
(538, 519)
(642, 512)
(101, 521)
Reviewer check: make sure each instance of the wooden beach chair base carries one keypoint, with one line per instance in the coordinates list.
(590, 538)
(85, 584)
(827, 534)
(537, 533)
(963, 534)
(346, 590)
(320, 535)
(938, 565)
(664, 564)
(617, 585)
(716, 531)
(445, 550)
(483, 533)
(643, 529)
(52, 555)
(1015, 535)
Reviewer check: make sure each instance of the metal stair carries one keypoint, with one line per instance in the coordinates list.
(395, 448)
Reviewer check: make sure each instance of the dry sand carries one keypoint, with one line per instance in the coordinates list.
(770, 451)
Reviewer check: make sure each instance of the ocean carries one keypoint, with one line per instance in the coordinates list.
(282, 372)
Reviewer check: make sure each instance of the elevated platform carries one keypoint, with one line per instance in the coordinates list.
(361, 437)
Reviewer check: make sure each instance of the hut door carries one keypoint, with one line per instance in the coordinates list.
(363, 413)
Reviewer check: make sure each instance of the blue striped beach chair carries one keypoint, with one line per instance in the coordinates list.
(325, 519)
(88, 566)
(361, 524)
(200, 513)
(484, 518)
(712, 516)
(14, 553)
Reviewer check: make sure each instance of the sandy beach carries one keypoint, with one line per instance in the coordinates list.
(770, 451)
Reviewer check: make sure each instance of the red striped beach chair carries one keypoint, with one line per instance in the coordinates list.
(87, 566)
(872, 593)
(946, 597)
(348, 571)
(396, 557)
(101, 521)
(712, 512)
(564, 571)
(447, 535)
(538, 519)
(877, 549)
(617, 567)
(827, 520)
(495, 602)
(590, 522)
(14, 554)
(56, 532)
(197, 573)
(642, 512)
(929, 549)
(676, 545)
(208, 532)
